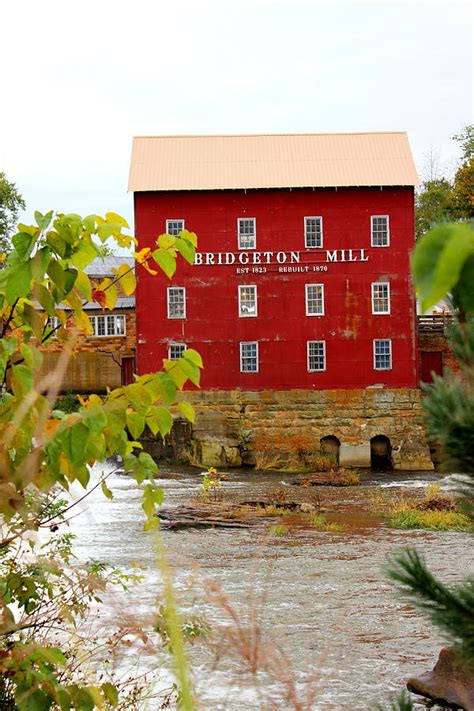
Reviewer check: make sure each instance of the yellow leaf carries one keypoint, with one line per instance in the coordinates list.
(127, 278)
(83, 322)
(142, 258)
(111, 296)
(74, 301)
(83, 285)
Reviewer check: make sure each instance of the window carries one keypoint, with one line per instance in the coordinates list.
(176, 351)
(383, 354)
(110, 325)
(381, 298)
(176, 302)
(379, 229)
(174, 227)
(313, 231)
(247, 232)
(316, 351)
(249, 357)
(314, 299)
(247, 300)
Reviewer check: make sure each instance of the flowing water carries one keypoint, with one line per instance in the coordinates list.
(320, 596)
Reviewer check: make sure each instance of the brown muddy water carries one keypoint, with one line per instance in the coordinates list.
(321, 597)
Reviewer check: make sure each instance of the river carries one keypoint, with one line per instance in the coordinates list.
(322, 597)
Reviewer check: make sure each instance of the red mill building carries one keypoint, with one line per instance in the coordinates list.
(300, 299)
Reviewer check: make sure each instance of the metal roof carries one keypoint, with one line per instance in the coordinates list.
(123, 302)
(104, 266)
(271, 161)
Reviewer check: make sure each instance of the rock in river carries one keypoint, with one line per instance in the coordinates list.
(451, 681)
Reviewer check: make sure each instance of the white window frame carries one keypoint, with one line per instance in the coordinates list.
(308, 355)
(243, 314)
(108, 319)
(307, 299)
(375, 284)
(376, 342)
(313, 217)
(182, 346)
(175, 232)
(372, 234)
(240, 235)
(181, 289)
(248, 343)
(53, 323)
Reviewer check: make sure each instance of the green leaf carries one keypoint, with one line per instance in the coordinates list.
(111, 693)
(165, 241)
(193, 356)
(96, 448)
(138, 395)
(57, 243)
(113, 217)
(82, 475)
(22, 380)
(152, 497)
(186, 250)
(176, 373)
(18, 282)
(23, 244)
(135, 423)
(53, 655)
(438, 260)
(165, 387)
(189, 237)
(187, 410)
(43, 221)
(33, 357)
(39, 263)
(74, 441)
(37, 700)
(106, 491)
(89, 223)
(115, 412)
(69, 227)
(94, 418)
(86, 252)
(41, 294)
(106, 230)
(191, 371)
(160, 420)
(166, 260)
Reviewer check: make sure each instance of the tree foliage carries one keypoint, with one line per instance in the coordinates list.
(11, 202)
(432, 205)
(439, 199)
(443, 264)
(43, 451)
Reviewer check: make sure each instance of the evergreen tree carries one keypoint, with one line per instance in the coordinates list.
(443, 265)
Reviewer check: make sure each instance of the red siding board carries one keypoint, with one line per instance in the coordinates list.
(212, 325)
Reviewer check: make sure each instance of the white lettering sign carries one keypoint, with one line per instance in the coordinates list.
(321, 256)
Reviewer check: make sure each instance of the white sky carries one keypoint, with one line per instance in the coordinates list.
(81, 78)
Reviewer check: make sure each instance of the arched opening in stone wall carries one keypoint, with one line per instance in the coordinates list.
(380, 452)
(329, 447)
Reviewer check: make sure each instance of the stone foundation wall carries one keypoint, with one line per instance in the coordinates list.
(283, 429)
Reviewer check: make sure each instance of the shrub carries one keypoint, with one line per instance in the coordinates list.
(320, 523)
(431, 520)
(278, 530)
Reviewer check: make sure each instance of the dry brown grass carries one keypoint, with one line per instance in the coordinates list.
(258, 657)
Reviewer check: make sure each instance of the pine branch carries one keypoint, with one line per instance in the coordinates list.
(449, 415)
(450, 609)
